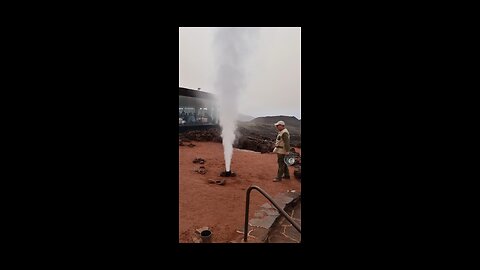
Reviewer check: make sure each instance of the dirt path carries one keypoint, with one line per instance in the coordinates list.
(222, 208)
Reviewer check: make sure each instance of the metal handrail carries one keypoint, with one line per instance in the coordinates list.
(245, 231)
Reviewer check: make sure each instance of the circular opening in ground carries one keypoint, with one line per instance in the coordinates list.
(205, 233)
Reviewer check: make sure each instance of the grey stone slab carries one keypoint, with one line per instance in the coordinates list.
(293, 195)
(260, 234)
(288, 208)
(268, 225)
(282, 198)
(266, 205)
(281, 204)
(279, 239)
(293, 233)
(276, 230)
(289, 211)
(265, 222)
(270, 211)
(298, 211)
(281, 220)
(260, 214)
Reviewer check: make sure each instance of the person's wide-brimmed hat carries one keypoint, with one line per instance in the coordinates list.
(280, 123)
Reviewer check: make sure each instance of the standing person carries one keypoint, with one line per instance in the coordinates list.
(282, 148)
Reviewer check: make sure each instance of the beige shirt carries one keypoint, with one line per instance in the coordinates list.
(282, 143)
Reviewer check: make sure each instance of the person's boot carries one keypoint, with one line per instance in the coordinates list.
(276, 179)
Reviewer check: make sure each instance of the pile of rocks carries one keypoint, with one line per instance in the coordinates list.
(209, 135)
(257, 144)
(201, 170)
(182, 143)
(245, 140)
(199, 160)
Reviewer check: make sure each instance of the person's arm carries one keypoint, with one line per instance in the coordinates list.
(286, 140)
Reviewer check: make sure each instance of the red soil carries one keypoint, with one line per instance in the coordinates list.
(222, 208)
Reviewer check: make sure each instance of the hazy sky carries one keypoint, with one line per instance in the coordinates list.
(272, 69)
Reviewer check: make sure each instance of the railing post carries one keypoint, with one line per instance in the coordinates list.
(245, 229)
(247, 207)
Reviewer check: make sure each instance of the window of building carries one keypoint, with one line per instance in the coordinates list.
(196, 111)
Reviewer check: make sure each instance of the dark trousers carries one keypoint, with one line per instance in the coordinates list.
(282, 167)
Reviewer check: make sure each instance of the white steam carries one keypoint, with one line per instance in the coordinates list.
(232, 46)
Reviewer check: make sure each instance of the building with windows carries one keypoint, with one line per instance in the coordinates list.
(196, 109)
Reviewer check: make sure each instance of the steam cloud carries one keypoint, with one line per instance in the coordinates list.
(232, 46)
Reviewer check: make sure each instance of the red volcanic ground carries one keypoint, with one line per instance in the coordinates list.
(222, 208)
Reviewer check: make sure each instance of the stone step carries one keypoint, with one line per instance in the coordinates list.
(283, 231)
(260, 226)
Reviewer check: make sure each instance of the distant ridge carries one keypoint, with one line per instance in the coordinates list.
(291, 121)
(264, 127)
(245, 117)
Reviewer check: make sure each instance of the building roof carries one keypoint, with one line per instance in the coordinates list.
(194, 93)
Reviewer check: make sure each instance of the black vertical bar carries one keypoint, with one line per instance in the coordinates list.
(245, 229)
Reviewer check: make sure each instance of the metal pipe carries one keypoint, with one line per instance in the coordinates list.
(245, 230)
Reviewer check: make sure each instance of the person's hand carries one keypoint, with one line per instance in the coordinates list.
(288, 153)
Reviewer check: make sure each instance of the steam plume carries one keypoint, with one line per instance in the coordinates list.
(232, 46)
